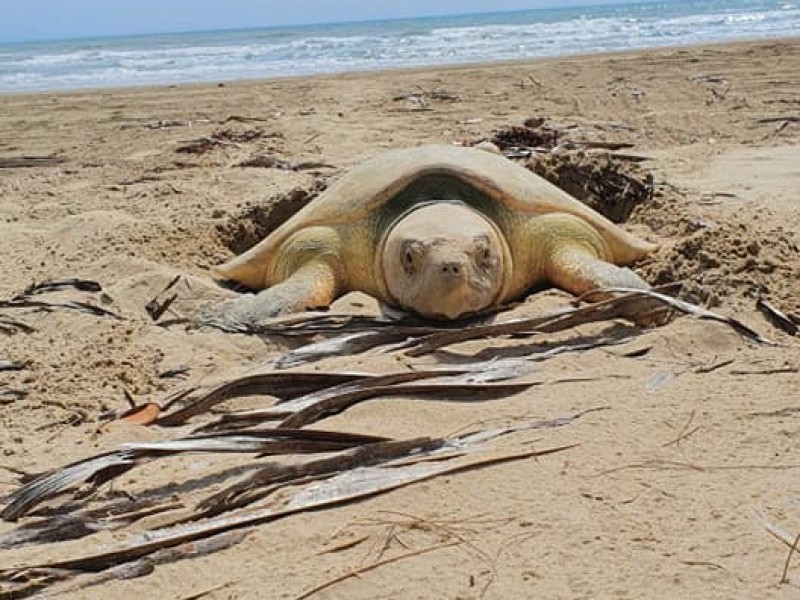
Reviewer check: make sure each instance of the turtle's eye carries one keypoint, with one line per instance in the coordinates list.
(409, 258)
(483, 254)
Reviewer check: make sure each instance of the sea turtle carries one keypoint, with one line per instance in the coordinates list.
(441, 231)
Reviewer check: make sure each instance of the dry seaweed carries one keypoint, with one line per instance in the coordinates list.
(351, 343)
(629, 304)
(303, 390)
(10, 326)
(19, 162)
(175, 373)
(311, 408)
(78, 523)
(422, 93)
(777, 317)
(10, 395)
(603, 182)
(6, 365)
(274, 383)
(516, 137)
(268, 161)
(222, 137)
(84, 307)
(83, 285)
(135, 554)
(102, 468)
(145, 566)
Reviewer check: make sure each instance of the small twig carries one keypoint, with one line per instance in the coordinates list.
(683, 434)
(18, 162)
(376, 565)
(774, 371)
(240, 119)
(129, 398)
(208, 591)
(343, 546)
(792, 550)
(787, 119)
(778, 318)
(713, 367)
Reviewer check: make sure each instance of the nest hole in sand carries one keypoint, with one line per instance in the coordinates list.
(254, 222)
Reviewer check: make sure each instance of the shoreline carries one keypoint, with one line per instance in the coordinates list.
(452, 67)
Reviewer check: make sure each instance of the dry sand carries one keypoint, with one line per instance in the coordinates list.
(657, 500)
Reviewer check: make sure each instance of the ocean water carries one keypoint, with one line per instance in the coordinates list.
(303, 50)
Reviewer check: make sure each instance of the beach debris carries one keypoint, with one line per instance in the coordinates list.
(360, 571)
(780, 119)
(422, 95)
(534, 137)
(175, 373)
(22, 162)
(221, 137)
(6, 365)
(330, 393)
(156, 307)
(352, 467)
(244, 119)
(422, 99)
(269, 161)
(25, 300)
(488, 382)
(777, 317)
(84, 307)
(703, 78)
(161, 124)
(791, 541)
(11, 326)
(355, 334)
(83, 285)
(532, 80)
(99, 469)
(258, 381)
(603, 182)
(141, 414)
(627, 304)
(145, 566)
(10, 395)
(351, 343)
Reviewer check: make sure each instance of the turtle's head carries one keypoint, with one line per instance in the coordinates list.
(443, 261)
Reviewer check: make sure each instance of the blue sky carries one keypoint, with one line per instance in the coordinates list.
(22, 20)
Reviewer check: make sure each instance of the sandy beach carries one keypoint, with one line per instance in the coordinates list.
(658, 498)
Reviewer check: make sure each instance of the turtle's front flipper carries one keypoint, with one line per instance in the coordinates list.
(577, 269)
(312, 286)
